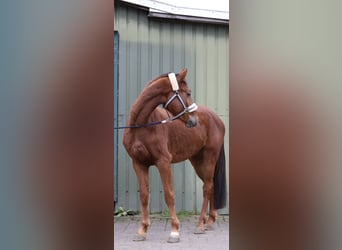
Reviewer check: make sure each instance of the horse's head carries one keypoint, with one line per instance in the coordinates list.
(180, 102)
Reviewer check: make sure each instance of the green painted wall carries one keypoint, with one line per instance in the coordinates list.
(148, 48)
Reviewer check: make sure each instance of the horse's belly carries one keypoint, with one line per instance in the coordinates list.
(183, 153)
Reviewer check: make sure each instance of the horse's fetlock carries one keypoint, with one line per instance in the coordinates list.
(213, 217)
(175, 224)
(146, 223)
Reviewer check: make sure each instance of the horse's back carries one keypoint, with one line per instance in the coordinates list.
(212, 121)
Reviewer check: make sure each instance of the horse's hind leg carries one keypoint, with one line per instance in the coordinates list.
(205, 170)
(208, 192)
(212, 215)
(144, 191)
(166, 176)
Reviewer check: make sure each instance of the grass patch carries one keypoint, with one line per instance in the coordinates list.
(185, 214)
(122, 212)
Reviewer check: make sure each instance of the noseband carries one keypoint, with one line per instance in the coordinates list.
(175, 88)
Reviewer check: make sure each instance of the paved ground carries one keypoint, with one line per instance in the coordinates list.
(126, 227)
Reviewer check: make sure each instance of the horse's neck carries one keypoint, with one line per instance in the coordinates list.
(141, 110)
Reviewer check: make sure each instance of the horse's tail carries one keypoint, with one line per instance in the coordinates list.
(220, 182)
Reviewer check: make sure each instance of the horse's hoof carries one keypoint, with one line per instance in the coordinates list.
(209, 227)
(199, 230)
(173, 239)
(139, 237)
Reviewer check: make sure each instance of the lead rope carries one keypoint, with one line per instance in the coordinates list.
(142, 125)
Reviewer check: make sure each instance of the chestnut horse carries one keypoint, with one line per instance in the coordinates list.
(194, 133)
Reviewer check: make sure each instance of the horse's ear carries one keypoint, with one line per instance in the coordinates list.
(182, 74)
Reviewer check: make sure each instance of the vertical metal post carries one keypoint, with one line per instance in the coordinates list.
(116, 115)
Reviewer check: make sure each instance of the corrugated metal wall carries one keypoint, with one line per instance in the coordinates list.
(148, 48)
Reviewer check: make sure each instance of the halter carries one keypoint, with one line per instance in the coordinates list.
(175, 87)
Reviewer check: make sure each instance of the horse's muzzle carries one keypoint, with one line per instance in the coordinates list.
(192, 122)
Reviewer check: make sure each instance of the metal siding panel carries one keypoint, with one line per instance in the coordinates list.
(143, 30)
(190, 57)
(132, 84)
(178, 47)
(201, 66)
(155, 49)
(151, 47)
(223, 66)
(211, 67)
(165, 53)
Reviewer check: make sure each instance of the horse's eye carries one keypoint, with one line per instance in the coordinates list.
(188, 94)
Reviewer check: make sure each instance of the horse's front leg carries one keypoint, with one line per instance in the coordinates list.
(144, 191)
(169, 195)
